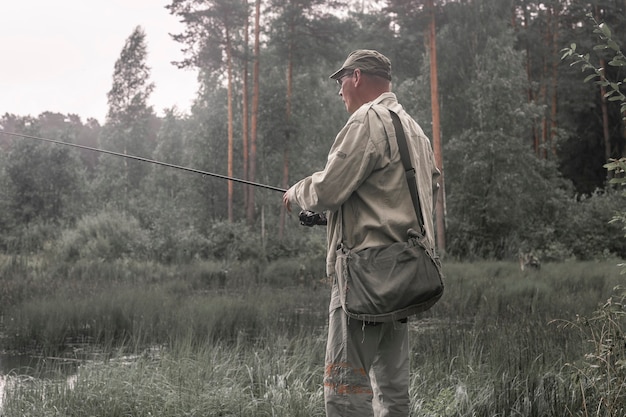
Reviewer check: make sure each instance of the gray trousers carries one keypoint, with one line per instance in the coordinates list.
(367, 368)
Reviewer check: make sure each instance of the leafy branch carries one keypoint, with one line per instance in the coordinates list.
(614, 93)
(607, 43)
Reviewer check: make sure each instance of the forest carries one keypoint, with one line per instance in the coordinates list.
(136, 289)
(523, 139)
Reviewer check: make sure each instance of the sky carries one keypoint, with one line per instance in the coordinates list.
(59, 55)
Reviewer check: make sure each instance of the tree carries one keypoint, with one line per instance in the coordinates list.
(606, 398)
(45, 182)
(129, 123)
(434, 100)
(588, 125)
(492, 209)
(205, 149)
(6, 216)
(404, 26)
(43, 186)
(611, 89)
(169, 183)
(213, 33)
(245, 107)
(255, 111)
(539, 31)
(296, 37)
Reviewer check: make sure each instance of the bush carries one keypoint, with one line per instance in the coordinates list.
(590, 233)
(233, 241)
(107, 236)
(601, 374)
(29, 237)
(179, 245)
(284, 272)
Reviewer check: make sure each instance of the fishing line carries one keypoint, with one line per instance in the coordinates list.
(151, 161)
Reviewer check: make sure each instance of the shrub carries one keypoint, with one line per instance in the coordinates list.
(30, 237)
(179, 245)
(107, 235)
(233, 241)
(590, 233)
(601, 375)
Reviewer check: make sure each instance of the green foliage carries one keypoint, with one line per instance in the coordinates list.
(295, 271)
(232, 241)
(31, 237)
(116, 302)
(607, 43)
(128, 129)
(167, 344)
(168, 183)
(131, 80)
(301, 29)
(204, 148)
(492, 202)
(234, 343)
(500, 197)
(105, 236)
(601, 375)
(591, 232)
(180, 244)
(212, 27)
(43, 182)
(617, 59)
(279, 380)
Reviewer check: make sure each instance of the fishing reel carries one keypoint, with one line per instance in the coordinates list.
(310, 218)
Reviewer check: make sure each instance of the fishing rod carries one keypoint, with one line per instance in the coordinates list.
(151, 161)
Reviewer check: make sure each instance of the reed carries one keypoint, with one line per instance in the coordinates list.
(280, 379)
(500, 342)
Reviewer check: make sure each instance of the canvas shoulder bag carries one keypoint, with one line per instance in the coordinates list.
(391, 282)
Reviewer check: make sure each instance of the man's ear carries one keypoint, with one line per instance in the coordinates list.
(357, 77)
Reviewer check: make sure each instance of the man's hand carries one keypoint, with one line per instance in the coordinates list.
(287, 201)
(310, 218)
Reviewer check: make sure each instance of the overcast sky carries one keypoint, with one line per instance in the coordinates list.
(58, 55)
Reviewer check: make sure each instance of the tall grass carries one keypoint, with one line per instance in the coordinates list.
(126, 302)
(501, 342)
(281, 379)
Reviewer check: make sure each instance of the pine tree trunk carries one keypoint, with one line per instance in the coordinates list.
(434, 94)
(281, 228)
(244, 115)
(229, 67)
(554, 79)
(543, 99)
(530, 92)
(255, 111)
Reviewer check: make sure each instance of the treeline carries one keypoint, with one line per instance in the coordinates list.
(524, 139)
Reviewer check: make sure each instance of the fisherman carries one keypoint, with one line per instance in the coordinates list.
(363, 190)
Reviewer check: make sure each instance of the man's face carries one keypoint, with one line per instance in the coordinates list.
(347, 91)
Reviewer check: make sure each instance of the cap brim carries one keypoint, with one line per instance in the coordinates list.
(337, 74)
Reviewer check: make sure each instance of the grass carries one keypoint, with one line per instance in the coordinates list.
(501, 342)
(280, 380)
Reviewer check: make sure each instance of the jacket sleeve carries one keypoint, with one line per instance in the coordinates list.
(353, 156)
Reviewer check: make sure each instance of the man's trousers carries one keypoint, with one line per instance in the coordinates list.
(367, 368)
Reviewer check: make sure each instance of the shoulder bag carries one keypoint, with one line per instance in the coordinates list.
(391, 282)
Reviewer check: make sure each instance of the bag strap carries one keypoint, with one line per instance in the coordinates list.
(409, 171)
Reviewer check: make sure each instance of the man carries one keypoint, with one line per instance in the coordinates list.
(363, 189)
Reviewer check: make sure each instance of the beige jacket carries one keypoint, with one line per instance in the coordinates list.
(363, 185)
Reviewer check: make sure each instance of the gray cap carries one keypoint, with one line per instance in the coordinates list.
(368, 61)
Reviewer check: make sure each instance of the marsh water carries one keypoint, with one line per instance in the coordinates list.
(18, 367)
